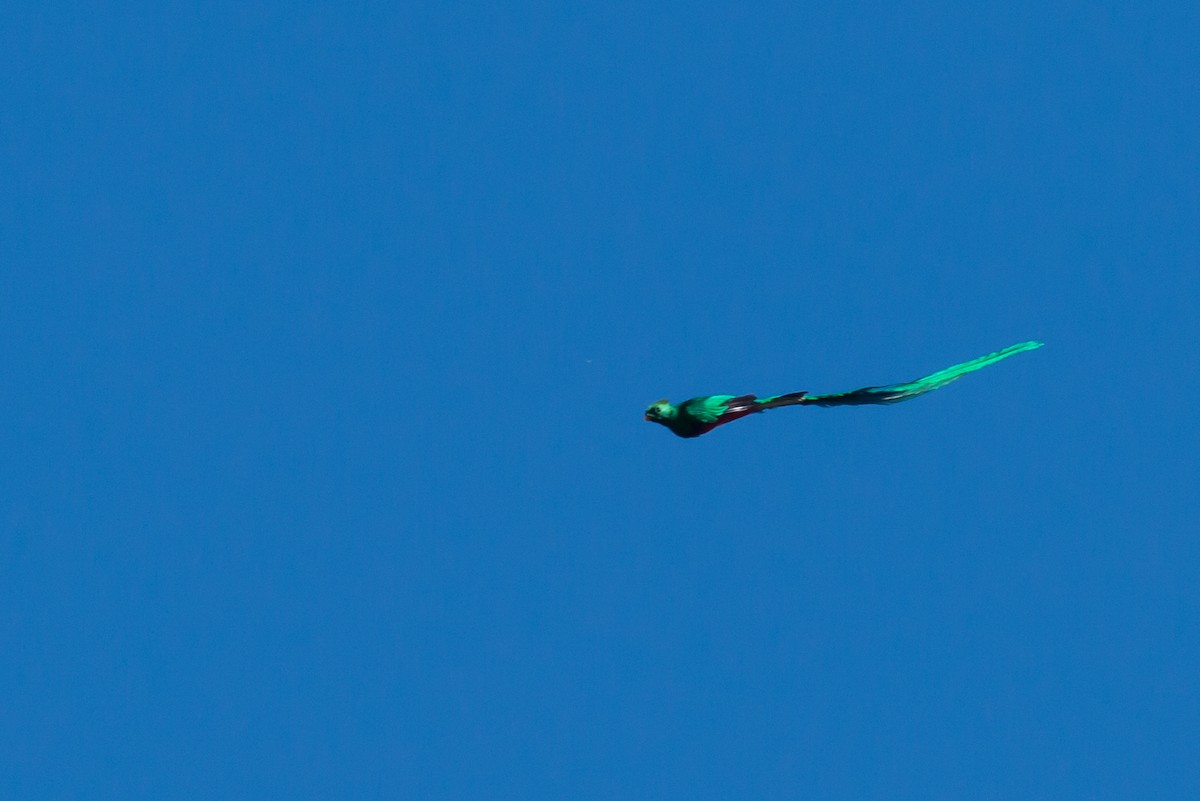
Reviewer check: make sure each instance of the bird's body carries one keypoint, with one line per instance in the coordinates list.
(699, 415)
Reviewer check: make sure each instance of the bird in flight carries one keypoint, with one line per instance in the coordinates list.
(697, 416)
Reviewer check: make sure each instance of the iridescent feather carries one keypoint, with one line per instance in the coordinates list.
(699, 415)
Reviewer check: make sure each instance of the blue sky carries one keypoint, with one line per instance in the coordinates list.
(327, 332)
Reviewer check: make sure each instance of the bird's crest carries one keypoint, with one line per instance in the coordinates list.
(658, 410)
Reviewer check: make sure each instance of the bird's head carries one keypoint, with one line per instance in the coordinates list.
(659, 411)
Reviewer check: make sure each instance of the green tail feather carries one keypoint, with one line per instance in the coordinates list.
(894, 393)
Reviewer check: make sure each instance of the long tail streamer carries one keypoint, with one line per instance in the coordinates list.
(894, 393)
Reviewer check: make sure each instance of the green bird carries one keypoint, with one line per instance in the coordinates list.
(697, 416)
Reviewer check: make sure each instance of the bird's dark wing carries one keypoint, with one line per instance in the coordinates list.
(742, 405)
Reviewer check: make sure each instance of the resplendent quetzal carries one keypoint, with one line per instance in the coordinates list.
(700, 415)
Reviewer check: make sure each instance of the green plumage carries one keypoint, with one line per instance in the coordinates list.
(699, 415)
